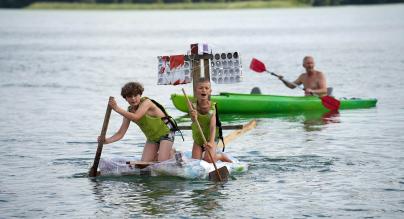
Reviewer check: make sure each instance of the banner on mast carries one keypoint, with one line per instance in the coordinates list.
(173, 70)
(224, 67)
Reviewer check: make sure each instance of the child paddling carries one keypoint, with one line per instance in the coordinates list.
(205, 113)
(157, 126)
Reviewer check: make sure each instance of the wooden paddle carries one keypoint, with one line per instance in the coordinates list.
(223, 172)
(328, 102)
(93, 169)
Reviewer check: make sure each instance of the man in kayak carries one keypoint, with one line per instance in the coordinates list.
(314, 81)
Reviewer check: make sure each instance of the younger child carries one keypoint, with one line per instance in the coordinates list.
(205, 113)
(157, 127)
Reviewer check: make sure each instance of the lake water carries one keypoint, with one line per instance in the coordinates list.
(58, 68)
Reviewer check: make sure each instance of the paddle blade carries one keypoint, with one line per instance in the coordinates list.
(257, 66)
(330, 103)
(92, 172)
(224, 174)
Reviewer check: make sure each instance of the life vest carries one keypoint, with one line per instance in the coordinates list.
(219, 127)
(204, 121)
(168, 118)
(155, 127)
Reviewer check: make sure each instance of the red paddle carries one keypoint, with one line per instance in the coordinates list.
(328, 102)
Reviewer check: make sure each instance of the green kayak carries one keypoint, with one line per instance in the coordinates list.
(258, 103)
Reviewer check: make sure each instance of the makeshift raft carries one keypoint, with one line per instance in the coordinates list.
(182, 166)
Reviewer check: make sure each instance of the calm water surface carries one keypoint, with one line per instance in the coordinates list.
(57, 69)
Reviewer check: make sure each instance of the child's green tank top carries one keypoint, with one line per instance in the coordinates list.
(153, 127)
(204, 121)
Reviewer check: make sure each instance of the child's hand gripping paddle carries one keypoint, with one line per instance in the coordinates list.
(220, 174)
(328, 102)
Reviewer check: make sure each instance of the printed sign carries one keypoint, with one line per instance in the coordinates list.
(173, 70)
(226, 68)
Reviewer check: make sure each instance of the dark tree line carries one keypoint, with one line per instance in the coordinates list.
(351, 2)
(24, 3)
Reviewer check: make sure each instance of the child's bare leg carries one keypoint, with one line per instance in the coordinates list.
(165, 150)
(223, 158)
(196, 151)
(172, 152)
(149, 152)
(213, 153)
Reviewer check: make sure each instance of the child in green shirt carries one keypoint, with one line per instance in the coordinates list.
(154, 123)
(205, 113)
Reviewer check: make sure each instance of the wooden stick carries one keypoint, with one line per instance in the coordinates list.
(93, 169)
(203, 137)
(140, 164)
(136, 162)
(224, 127)
(233, 135)
(230, 137)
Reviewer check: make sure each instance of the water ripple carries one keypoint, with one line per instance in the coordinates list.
(59, 67)
(293, 163)
(47, 85)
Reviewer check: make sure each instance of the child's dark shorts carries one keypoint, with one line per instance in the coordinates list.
(168, 137)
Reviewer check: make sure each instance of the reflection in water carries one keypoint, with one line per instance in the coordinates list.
(136, 196)
(316, 122)
(312, 121)
(207, 199)
(299, 163)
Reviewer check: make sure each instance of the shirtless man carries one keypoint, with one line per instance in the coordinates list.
(313, 81)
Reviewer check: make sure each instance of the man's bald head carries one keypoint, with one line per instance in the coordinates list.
(308, 64)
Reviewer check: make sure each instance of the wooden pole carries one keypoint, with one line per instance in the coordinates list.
(93, 169)
(196, 65)
(206, 68)
(196, 71)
